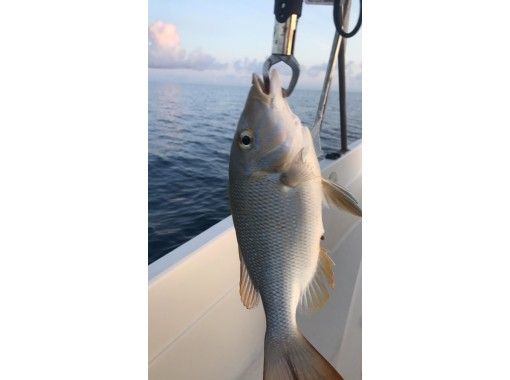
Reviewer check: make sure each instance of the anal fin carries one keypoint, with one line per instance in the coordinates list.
(249, 295)
(316, 294)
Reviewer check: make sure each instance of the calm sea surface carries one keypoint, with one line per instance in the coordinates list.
(190, 133)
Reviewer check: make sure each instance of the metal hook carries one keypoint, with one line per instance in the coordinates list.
(291, 61)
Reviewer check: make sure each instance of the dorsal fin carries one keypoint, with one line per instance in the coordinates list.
(249, 295)
(317, 294)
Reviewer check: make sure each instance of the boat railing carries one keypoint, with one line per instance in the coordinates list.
(336, 58)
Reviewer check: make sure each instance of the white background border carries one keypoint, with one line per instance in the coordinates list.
(73, 203)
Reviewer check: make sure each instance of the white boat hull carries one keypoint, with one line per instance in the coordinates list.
(198, 327)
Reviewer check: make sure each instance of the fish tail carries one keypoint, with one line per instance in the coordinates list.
(294, 358)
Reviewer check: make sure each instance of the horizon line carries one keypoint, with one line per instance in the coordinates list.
(159, 80)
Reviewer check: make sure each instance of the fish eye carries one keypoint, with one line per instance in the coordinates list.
(246, 139)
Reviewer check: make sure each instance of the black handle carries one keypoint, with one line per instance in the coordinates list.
(283, 9)
(339, 20)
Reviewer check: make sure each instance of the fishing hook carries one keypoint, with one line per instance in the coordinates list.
(290, 61)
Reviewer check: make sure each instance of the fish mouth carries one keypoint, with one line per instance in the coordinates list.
(267, 91)
(260, 89)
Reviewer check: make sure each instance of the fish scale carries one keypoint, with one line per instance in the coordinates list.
(280, 230)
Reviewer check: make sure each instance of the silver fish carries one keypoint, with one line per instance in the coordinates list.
(276, 193)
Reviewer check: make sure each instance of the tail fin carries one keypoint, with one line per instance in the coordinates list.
(294, 358)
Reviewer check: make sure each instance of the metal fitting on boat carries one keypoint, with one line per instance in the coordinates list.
(284, 35)
(287, 13)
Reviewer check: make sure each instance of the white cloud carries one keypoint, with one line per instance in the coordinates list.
(315, 70)
(352, 74)
(165, 51)
(247, 65)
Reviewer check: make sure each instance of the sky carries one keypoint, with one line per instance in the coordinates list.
(197, 41)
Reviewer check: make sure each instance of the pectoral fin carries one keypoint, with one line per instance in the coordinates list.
(340, 197)
(300, 170)
(249, 295)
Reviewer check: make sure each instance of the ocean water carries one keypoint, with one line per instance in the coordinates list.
(190, 132)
